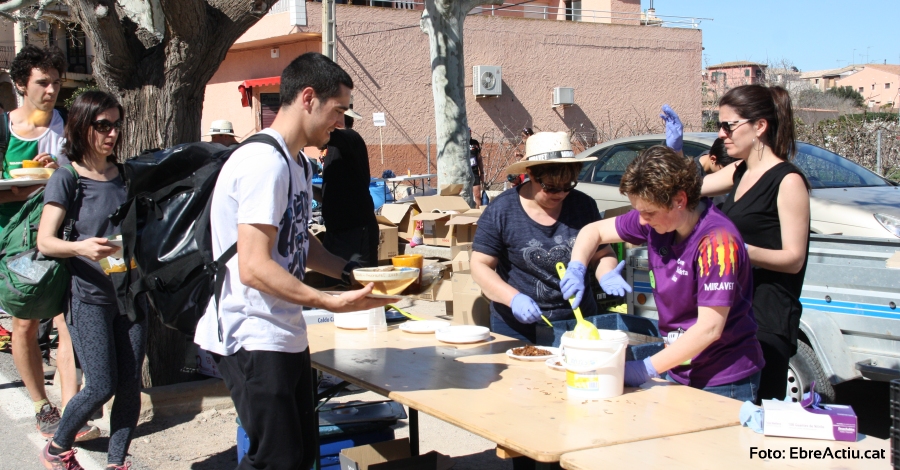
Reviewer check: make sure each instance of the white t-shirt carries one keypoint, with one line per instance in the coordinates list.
(250, 190)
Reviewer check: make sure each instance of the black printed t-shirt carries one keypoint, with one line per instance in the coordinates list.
(528, 252)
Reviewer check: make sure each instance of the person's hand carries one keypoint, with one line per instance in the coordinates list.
(572, 284)
(638, 372)
(46, 160)
(356, 300)
(525, 309)
(95, 248)
(613, 283)
(674, 129)
(22, 193)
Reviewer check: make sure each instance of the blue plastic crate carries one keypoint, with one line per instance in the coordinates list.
(330, 446)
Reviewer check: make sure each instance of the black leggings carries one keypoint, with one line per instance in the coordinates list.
(111, 349)
(777, 351)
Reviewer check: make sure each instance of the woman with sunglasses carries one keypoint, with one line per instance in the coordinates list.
(109, 345)
(768, 201)
(526, 230)
(699, 272)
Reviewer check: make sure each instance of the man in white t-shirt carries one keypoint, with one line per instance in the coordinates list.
(262, 201)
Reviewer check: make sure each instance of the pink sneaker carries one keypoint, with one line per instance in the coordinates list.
(63, 461)
(124, 466)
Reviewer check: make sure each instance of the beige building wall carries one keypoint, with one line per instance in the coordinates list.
(621, 74)
(879, 85)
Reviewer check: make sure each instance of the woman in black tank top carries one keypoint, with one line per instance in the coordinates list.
(768, 201)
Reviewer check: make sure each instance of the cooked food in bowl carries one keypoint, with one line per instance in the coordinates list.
(388, 280)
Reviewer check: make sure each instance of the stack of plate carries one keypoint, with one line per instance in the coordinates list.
(462, 334)
(424, 326)
(352, 320)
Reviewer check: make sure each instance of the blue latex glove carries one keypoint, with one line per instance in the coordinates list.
(752, 417)
(525, 309)
(613, 283)
(572, 284)
(638, 372)
(674, 129)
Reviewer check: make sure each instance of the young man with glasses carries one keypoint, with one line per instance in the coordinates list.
(35, 133)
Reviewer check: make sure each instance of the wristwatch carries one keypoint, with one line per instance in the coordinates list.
(348, 270)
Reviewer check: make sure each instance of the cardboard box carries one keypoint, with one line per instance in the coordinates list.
(786, 419)
(470, 307)
(391, 455)
(388, 241)
(609, 213)
(317, 315)
(436, 212)
(461, 261)
(400, 215)
(464, 226)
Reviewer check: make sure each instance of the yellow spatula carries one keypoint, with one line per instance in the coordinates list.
(583, 328)
(407, 315)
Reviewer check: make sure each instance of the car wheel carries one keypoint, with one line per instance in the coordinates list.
(804, 368)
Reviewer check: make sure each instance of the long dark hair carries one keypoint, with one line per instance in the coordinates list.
(755, 102)
(81, 116)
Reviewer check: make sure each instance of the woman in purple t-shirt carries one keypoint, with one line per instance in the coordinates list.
(699, 272)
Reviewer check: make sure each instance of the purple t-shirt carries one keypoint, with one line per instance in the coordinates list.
(708, 269)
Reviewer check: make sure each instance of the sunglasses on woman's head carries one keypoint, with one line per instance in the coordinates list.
(105, 125)
(730, 126)
(557, 189)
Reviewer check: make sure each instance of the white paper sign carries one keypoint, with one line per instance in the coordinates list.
(378, 120)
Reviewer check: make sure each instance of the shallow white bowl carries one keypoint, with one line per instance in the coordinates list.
(423, 326)
(352, 320)
(462, 334)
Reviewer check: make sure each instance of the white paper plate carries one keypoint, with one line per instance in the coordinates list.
(364, 275)
(423, 326)
(554, 352)
(555, 363)
(352, 320)
(19, 182)
(462, 334)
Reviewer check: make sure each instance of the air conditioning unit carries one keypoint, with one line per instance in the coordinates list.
(563, 96)
(487, 80)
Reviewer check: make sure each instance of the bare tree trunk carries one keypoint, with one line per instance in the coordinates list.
(443, 21)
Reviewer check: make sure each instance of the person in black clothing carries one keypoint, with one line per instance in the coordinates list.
(714, 160)
(477, 169)
(768, 201)
(347, 208)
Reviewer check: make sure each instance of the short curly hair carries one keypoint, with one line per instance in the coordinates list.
(32, 57)
(658, 174)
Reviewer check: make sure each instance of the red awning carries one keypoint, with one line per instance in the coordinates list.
(245, 87)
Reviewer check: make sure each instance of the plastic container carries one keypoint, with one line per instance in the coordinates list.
(377, 320)
(595, 368)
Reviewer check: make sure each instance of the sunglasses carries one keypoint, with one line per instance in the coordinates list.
(555, 189)
(103, 125)
(730, 126)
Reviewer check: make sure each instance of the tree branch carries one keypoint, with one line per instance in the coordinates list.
(182, 18)
(102, 25)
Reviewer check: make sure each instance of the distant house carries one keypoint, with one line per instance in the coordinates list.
(719, 78)
(878, 83)
(824, 80)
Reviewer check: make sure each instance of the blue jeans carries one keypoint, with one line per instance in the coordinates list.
(743, 390)
(499, 326)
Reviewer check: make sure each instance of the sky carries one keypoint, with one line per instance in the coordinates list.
(811, 34)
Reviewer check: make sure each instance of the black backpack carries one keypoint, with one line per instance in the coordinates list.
(166, 231)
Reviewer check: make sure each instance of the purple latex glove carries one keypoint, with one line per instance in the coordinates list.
(613, 283)
(674, 129)
(572, 284)
(525, 309)
(638, 372)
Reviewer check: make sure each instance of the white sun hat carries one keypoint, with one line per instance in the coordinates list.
(221, 127)
(350, 112)
(545, 148)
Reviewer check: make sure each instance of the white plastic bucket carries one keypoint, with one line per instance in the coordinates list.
(595, 368)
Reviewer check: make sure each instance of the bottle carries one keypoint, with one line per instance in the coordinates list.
(408, 173)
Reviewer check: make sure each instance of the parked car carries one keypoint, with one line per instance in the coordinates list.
(846, 198)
